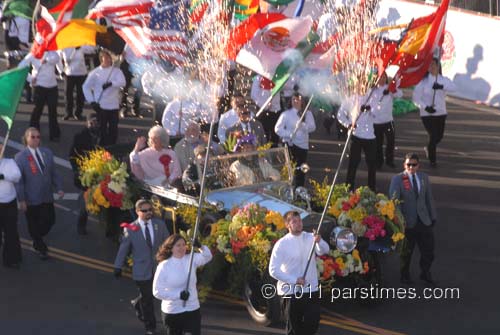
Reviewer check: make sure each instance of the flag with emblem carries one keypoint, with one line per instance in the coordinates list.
(151, 29)
(272, 45)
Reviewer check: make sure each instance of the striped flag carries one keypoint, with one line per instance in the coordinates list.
(151, 29)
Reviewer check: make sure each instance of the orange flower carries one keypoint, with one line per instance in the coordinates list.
(354, 199)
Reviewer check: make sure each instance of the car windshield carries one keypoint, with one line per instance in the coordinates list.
(249, 169)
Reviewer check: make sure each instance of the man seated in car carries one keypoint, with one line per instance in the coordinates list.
(251, 169)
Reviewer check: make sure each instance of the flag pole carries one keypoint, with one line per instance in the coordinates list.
(301, 118)
(5, 140)
(203, 180)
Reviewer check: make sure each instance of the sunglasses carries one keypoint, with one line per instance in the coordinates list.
(35, 136)
(411, 164)
(145, 210)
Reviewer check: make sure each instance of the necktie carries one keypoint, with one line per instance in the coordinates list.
(414, 184)
(40, 161)
(148, 236)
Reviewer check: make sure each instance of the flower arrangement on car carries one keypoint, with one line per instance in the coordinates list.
(105, 180)
(337, 264)
(369, 215)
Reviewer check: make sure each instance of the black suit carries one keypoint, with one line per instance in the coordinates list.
(83, 142)
(256, 129)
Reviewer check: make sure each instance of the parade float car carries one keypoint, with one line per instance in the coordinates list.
(258, 177)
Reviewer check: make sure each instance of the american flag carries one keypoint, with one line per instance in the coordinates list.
(151, 28)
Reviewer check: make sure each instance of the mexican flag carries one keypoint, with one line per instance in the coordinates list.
(272, 45)
(21, 8)
(11, 86)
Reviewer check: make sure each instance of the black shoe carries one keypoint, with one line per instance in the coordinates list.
(15, 266)
(427, 278)
(406, 280)
(43, 255)
(81, 230)
(68, 117)
(80, 118)
(391, 165)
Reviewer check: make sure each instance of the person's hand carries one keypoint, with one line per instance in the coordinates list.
(184, 295)
(352, 126)
(317, 237)
(437, 86)
(95, 106)
(60, 194)
(197, 243)
(300, 281)
(140, 143)
(23, 206)
(365, 108)
(117, 273)
(430, 109)
(106, 85)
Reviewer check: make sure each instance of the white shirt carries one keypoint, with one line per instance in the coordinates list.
(260, 96)
(170, 280)
(73, 60)
(423, 94)
(286, 124)
(288, 262)
(349, 109)
(383, 104)
(183, 111)
(18, 27)
(150, 228)
(11, 175)
(92, 87)
(227, 120)
(33, 153)
(43, 73)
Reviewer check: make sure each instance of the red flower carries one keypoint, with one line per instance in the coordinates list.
(406, 182)
(33, 167)
(130, 226)
(115, 199)
(165, 161)
(346, 206)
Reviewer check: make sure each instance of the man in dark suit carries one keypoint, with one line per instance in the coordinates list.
(413, 189)
(142, 237)
(39, 179)
(83, 142)
(246, 125)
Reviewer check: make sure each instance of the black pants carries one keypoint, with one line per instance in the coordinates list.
(40, 220)
(299, 156)
(82, 212)
(74, 83)
(46, 96)
(434, 125)
(177, 324)
(146, 300)
(125, 67)
(385, 130)
(423, 236)
(369, 147)
(268, 120)
(108, 120)
(8, 230)
(302, 315)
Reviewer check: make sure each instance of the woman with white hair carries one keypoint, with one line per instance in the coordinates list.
(157, 164)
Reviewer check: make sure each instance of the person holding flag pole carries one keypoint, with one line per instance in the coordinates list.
(11, 86)
(294, 126)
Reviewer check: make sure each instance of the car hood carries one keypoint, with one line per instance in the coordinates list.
(237, 198)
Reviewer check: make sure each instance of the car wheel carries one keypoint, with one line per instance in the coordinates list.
(266, 312)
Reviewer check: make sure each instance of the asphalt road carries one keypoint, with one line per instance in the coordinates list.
(69, 294)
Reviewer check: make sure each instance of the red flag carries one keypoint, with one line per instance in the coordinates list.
(416, 50)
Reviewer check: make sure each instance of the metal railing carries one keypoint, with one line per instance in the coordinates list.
(490, 7)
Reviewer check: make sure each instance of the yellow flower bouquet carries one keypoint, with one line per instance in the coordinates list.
(105, 180)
